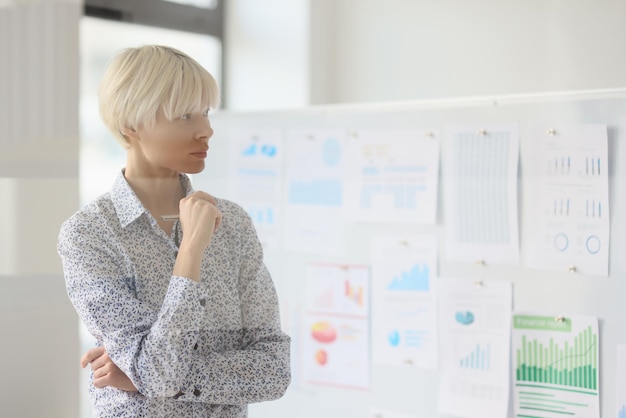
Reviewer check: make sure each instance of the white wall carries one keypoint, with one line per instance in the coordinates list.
(39, 189)
(291, 53)
(366, 50)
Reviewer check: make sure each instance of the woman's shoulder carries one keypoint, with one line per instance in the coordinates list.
(92, 217)
(231, 208)
(235, 219)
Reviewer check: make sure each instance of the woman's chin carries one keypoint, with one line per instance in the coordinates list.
(195, 169)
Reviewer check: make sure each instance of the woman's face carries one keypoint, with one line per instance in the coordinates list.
(180, 144)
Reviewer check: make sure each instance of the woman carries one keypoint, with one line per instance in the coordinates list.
(184, 312)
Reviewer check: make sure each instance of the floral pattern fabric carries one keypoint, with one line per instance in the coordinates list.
(191, 349)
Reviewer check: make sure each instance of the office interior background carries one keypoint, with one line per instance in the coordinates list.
(270, 54)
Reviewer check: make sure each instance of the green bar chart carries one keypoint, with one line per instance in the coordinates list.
(555, 366)
(567, 364)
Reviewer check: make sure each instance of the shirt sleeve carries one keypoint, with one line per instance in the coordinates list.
(260, 370)
(150, 345)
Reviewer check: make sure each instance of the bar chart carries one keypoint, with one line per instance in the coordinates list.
(570, 364)
(478, 359)
(556, 363)
(415, 279)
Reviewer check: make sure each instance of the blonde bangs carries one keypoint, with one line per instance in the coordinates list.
(195, 91)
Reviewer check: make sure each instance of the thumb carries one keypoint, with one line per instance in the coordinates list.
(90, 356)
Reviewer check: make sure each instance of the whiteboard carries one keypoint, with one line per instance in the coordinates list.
(414, 391)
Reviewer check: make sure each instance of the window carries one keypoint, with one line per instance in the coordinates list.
(206, 4)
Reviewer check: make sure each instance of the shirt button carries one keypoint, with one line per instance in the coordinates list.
(202, 302)
(179, 394)
(195, 347)
(197, 392)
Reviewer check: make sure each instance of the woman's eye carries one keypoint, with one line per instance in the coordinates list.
(186, 116)
(206, 114)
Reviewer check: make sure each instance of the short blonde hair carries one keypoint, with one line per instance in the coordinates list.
(140, 82)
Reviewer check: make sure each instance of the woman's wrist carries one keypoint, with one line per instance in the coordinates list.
(188, 261)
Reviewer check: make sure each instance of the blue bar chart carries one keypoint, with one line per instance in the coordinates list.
(416, 279)
(478, 359)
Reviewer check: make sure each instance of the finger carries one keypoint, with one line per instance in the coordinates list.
(90, 355)
(101, 372)
(205, 196)
(101, 382)
(212, 199)
(206, 204)
(100, 361)
(218, 220)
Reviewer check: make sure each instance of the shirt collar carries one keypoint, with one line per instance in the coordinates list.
(127, 205)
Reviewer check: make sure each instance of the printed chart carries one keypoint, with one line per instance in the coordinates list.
(392, 176)
(569, 213)
(403, 300)
(480, 191)
(256, 161)
(555, 366)
(474, 327)
(315, 172)
(335, 331)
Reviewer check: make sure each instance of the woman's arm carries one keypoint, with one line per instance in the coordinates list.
(258, 372)
(157, 349)
(151, 345)
(105, 372)
(260, 369)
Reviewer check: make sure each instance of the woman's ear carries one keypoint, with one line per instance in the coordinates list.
(129, 133)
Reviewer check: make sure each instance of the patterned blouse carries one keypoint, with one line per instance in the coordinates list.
(191, 349)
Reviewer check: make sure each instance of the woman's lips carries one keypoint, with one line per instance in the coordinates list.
(201, 154)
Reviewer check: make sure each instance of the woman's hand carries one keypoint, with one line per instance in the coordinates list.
(105, 372)
(199, 217)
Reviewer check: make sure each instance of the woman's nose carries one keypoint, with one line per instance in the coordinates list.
(205, 131)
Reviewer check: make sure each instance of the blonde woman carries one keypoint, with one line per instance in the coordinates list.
(184, 312)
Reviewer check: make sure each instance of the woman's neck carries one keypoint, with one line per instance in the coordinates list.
(159, 193)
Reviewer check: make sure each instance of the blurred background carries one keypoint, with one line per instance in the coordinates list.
(55, 154)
